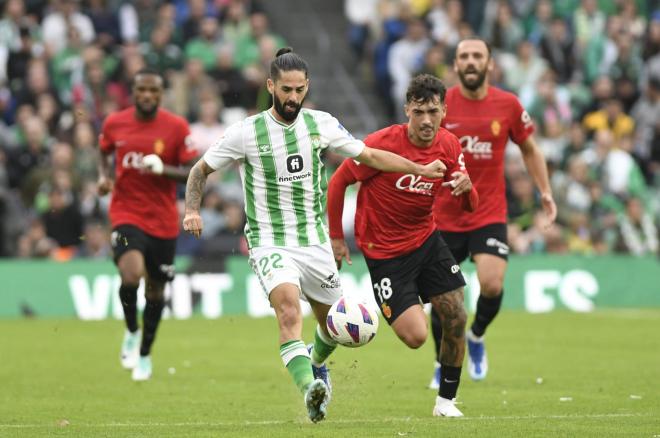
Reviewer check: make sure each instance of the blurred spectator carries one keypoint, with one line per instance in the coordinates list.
(557, 48)
(95, 242)
(589, 22)
(646, 114)
(63, 221)
(406, 56)
(197, 11)
(67, 66)
(34, 243)
(523, 69)
(55, 27)
(360, 14)
(638, 234)
(505, 33)
(190, 88)
(538, 25)
(105, 22)
(205, 46)
(208, 129)
(247, 46)
(160, 53)
(230, 82)
(31, 152)
(445, 18)
(610, 117)
(235, 23)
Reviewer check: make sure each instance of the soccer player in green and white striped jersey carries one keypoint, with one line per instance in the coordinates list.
(279, 152)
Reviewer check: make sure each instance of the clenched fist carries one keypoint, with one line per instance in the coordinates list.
(192, 223)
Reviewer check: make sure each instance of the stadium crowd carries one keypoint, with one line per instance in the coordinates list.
(66, 64)
(588, 72)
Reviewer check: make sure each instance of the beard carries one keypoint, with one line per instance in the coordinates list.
(147, 112)
(472, 84)
(280, 108)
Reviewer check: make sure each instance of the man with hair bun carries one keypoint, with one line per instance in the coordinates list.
(278, 151)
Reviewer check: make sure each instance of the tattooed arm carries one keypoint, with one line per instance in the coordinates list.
(192, 222)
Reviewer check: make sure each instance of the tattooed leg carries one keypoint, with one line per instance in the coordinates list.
(449, 306)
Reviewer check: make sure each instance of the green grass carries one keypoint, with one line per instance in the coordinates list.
(225, 378)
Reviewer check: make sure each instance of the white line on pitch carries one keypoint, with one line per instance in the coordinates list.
(338, 421)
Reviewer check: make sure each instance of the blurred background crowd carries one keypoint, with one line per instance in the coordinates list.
(588, 72)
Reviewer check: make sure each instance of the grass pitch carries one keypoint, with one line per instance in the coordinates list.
(559, 374)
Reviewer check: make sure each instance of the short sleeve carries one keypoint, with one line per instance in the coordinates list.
(522, 125)
(106, 142)
(227, 149)
(340, 140)
(458, 160)
(361, 172)
(187, 150)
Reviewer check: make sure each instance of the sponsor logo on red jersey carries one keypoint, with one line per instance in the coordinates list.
(480, 150)
(414, 184)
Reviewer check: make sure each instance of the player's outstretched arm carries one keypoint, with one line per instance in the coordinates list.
(537, 168)
(154, 164)
(340, 180)
(105, 181)
(389, 162)
(192, 222)
(461, 185)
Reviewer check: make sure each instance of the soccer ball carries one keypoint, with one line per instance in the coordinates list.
(351, 322)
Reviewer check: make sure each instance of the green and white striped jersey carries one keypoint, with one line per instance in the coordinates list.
(283, 178)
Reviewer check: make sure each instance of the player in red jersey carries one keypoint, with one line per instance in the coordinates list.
(394, 228)
(151, 154)
(484, 118)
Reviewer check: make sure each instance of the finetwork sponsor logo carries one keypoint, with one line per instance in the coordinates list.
(294, 177)
(294, 163)
(455, 269)
(331, 282)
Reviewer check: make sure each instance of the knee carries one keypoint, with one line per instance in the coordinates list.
(155, 292)
(492, 286)
(288, 314)
(130, 277)
(414, 338)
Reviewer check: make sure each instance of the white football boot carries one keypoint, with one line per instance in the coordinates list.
(142, 371)
(130, 349)
(445, 408)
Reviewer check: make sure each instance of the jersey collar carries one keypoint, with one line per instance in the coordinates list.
(284, 125)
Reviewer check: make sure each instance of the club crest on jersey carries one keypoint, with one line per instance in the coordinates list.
(495, 127)
(263, 148)
(159, 146)
(414, 184)
(316, 140)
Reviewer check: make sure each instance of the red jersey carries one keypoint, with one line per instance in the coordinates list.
(142, 199)
(393, 214)
(483, 128)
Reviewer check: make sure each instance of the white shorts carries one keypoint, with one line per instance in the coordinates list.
(311, 268)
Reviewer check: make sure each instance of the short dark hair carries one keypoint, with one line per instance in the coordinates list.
(476, 38)
(148, 71)
(424, 88)
(287, 60)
